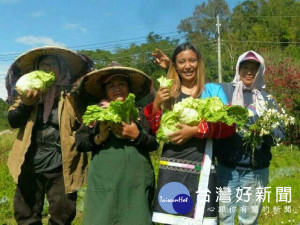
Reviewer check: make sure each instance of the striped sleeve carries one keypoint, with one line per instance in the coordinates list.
(214, 130)
(223, 130)
(152, 118)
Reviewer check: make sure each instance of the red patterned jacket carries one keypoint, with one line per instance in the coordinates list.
(205, 129)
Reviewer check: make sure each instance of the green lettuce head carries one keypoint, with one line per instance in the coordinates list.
(116, 112)
(213, 110)
(35, 80)
(188, 111)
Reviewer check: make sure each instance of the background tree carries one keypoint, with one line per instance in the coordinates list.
(200, 28)
(270, 27)
(137, 56)
(100, 57)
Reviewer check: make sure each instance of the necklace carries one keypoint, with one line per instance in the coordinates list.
(188, 91)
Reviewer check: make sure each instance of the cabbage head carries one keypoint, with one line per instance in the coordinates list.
(188, 111)
(35, 80)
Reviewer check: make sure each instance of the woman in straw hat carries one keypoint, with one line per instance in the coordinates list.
(43, 159)
(120, 185)
(186, 165)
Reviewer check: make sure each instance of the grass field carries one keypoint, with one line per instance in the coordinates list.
(284, 172)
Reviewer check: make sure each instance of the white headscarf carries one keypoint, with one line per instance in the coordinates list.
(256, 87)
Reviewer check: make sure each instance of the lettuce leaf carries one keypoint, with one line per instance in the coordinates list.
(93, 113)
(236, 114)
(213, 110)
(116, 112)
(165, 82)
(168, 123)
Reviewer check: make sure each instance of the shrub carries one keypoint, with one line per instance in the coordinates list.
(283, 81)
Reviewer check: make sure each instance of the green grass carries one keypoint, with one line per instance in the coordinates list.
(3, 122)
(7, 188)
(7, 185)
(284, 172)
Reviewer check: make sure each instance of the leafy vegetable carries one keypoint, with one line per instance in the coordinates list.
(116, 112)
(236, 114)
(168, 122)
(192, 111)
(165, 82)
(35, 80)
(188, 111)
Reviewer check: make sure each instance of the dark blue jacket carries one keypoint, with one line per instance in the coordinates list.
(232, 152)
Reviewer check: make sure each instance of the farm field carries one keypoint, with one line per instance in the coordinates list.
(284, 173)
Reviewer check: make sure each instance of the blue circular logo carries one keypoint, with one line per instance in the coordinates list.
(174, 198)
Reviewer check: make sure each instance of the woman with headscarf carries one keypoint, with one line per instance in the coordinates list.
(43, 160)
(240, 172)
(120, 185)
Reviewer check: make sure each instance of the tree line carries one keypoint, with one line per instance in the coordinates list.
(270, 27)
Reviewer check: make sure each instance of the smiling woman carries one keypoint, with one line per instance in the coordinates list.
(186, 65)
(117, 87)
(186, 159)
(248, 69)
(243, 167)
(120, 184)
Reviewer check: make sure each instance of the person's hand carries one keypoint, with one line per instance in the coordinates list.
(161, 59)
(162, 94)
(103, 133)
(183, 135)
(31, 97)
(116, 128)
(128, 131)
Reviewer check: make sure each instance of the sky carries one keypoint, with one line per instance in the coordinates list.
(85, 24)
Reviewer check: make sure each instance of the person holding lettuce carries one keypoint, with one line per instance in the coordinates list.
(187, 158)
(120, 186)
(43, 160)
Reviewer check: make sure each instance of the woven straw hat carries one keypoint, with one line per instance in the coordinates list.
(26, 62)
(92, 83)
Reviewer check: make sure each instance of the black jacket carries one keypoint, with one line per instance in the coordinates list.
(232, 151)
